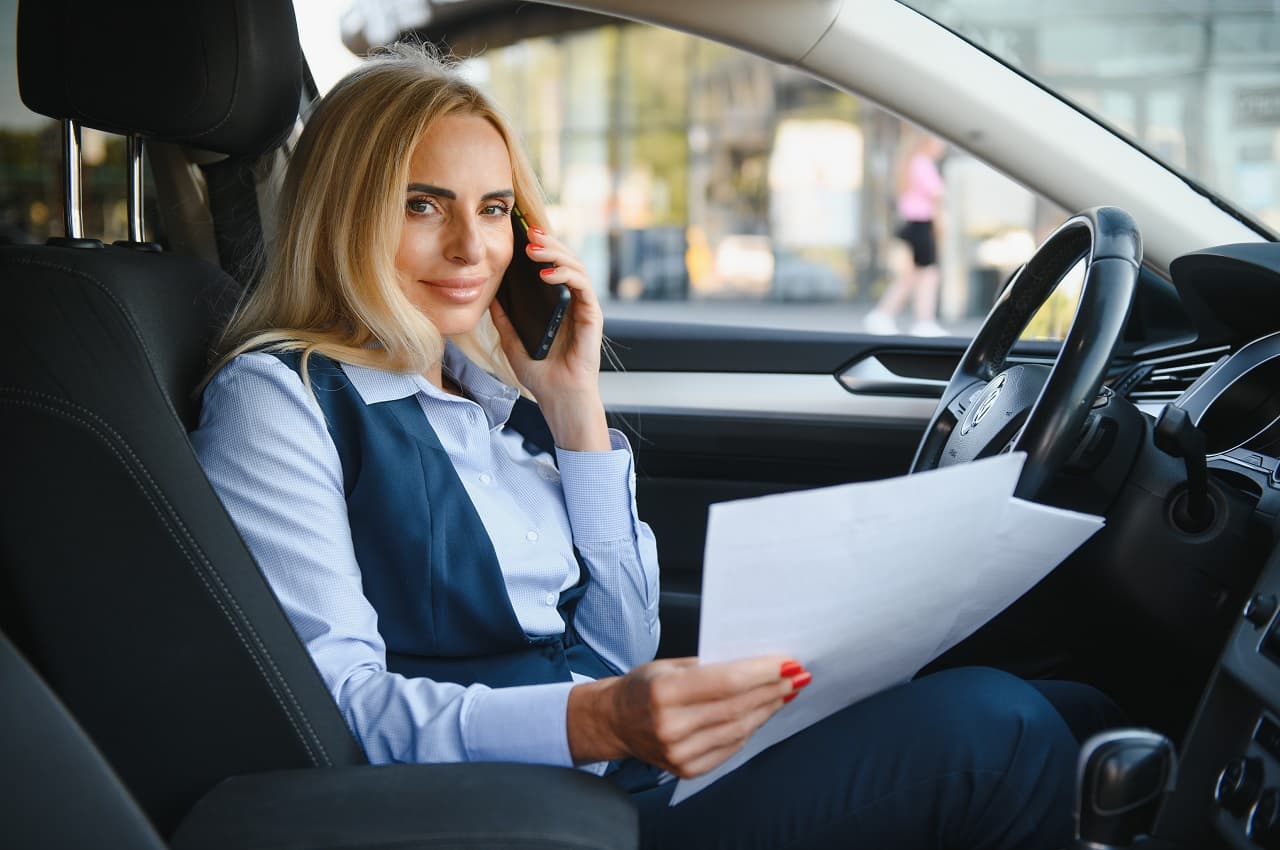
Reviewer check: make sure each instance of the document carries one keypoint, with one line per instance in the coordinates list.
(867, 583)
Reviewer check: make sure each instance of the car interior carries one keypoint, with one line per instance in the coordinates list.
(157, 696)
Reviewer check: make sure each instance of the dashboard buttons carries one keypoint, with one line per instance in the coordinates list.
(1238, 785)
(1260, 609)
(1263, 824)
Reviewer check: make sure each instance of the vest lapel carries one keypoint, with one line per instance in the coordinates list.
(427, 563)
(468, 595)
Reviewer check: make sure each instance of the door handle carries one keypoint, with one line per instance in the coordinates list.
(870, 376)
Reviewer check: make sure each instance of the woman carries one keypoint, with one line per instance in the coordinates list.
(920, 190)
(467, 598)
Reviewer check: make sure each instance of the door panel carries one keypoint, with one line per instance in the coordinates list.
(717, 413)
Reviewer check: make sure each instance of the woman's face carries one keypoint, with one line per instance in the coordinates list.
(456, 239)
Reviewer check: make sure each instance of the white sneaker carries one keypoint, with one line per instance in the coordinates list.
(929, 327)
(877, 322)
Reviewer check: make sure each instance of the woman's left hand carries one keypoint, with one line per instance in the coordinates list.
(567, 382)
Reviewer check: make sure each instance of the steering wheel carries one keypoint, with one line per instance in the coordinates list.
(989, 407)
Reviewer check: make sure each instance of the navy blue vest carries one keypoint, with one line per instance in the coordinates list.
(427, 564)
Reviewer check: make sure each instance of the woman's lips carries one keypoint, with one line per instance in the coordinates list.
(460, 290)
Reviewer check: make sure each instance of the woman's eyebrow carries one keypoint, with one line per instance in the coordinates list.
(438, 191)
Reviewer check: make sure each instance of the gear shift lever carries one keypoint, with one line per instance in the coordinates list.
(1121, 776)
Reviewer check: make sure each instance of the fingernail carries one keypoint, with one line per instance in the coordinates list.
(534, 246)
(791, 668)
(546, 272)
(789, 697)
(537, 231)
(798, 682)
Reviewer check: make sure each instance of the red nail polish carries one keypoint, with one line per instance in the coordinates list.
(798, 682)
(546, 272)
(791, 668)
(537, 231)
(790, 697)
(534, 246)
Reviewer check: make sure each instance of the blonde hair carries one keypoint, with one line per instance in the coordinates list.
(330, 285)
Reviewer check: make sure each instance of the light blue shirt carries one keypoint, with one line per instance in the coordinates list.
(267, 451)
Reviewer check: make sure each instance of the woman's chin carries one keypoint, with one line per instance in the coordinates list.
(453, 320)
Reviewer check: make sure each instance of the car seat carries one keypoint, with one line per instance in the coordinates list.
(122, 580)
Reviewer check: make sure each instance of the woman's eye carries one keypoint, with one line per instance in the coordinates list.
(496, 209)
(421, 206)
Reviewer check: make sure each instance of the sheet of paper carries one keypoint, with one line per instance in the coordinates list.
(1030, 540)
(866, 583)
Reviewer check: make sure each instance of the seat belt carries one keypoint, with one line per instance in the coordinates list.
(237, 226)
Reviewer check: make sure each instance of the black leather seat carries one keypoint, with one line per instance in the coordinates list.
(59, 792)
(122, 579)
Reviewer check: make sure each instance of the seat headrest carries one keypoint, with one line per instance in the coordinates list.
(220, 75)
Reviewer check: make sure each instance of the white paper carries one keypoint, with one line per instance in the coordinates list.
(864, 584)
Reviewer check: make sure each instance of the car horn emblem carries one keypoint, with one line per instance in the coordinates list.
(983, 407)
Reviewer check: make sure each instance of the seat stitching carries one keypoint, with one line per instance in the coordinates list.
(127, 316)
(199, 573)
(51, 404)
(124, 313)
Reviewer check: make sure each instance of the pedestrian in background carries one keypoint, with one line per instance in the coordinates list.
(920, 189)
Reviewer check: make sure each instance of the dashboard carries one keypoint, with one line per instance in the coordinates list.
(1236, 404)
(1228, 789)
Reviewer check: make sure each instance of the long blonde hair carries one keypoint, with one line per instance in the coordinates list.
(330, 285)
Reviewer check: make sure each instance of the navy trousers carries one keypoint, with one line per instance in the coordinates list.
(964, 759)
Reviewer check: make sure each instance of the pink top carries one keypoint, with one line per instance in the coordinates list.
(919, 199)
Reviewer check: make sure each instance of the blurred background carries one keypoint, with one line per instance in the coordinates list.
(700, 183)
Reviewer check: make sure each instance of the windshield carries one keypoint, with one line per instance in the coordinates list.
(1194, 82)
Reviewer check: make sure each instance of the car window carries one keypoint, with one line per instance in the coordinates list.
(702, 183)
(1195, 84)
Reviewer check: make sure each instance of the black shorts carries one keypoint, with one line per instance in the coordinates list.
(919, 235)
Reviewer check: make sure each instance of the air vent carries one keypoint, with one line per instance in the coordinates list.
(1165, 378)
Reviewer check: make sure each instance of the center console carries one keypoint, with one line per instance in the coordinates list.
(1228, 792)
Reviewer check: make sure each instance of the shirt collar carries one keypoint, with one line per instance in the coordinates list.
(493, 396)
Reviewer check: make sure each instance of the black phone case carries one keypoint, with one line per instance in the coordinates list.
(535, 308)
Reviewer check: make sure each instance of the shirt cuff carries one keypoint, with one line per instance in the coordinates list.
(599, 491)
(526, 724)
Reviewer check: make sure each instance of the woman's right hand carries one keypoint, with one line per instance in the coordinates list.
(678, 715)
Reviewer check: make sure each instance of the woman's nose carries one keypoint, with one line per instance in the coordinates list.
(463, 244)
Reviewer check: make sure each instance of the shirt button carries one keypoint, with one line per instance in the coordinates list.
(531, 536)
(486, 478)
(550, 599)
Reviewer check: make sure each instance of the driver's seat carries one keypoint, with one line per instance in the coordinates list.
(122, 579)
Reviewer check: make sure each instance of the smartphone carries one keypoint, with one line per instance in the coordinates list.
(534, 307)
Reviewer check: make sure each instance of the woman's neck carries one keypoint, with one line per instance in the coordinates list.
(437, 376)
(451, 386)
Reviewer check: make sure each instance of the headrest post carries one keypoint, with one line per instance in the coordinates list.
(73, 198)
(134, 153)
